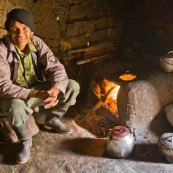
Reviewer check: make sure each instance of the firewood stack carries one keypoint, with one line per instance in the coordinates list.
(94, 53)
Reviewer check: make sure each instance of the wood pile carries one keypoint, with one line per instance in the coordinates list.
(94, 53)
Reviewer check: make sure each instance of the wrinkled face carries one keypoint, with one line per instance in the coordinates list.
(20, 34)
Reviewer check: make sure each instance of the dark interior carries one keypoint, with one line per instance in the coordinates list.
(97, 41)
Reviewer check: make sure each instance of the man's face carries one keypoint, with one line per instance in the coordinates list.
(20, 34)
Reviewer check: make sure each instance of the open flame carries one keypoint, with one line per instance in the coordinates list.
(115, 92)
(107, 92)
(127, 76)
(104, 114)
(106, 89)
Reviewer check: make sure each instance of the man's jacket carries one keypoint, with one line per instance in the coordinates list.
(45, 63)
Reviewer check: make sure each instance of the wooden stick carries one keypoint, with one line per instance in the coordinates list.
(83, 50)
(72, 56)
(94, 59)
(91, 53)
(94, 47)
(98, 104)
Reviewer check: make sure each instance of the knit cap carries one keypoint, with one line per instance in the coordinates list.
(20, 15)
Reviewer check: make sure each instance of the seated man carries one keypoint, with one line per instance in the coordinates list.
(31, 76)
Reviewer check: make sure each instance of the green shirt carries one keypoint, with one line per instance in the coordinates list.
(26, 74)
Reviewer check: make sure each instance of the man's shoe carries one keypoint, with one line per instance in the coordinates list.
(25, 133)
(24, 153)
(57, 125)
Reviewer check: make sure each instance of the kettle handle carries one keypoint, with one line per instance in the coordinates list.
(107, 133)
(131, 130)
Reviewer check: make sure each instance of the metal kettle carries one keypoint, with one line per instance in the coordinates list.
(120, 142)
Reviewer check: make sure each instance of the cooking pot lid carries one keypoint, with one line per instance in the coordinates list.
(167, 140)
(120, 131)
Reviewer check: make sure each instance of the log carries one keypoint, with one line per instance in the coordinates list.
(73, 56)
(87, 49)
(84, 61)
(10, 135)
(90, 54)
(101, 52)
(108, 44)
(7, 130)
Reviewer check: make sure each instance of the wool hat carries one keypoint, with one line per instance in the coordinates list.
(20, 15)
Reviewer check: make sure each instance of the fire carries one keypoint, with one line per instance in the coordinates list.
(104, 114)
(127, 77)
(107, 92)
(115, 92)
(106, 89)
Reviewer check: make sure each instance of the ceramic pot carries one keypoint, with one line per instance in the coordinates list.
(166, 62)
(165, 145)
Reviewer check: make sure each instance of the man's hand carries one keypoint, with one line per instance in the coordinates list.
(38, 94)
(51, 101)
(49, 97)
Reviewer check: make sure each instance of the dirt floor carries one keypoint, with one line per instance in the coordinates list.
(83, 152)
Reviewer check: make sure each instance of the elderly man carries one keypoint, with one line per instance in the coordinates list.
(31, 76)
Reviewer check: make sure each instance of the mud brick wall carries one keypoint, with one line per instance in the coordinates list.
(70, 24)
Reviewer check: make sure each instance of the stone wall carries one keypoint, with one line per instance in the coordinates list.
(70, 24)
